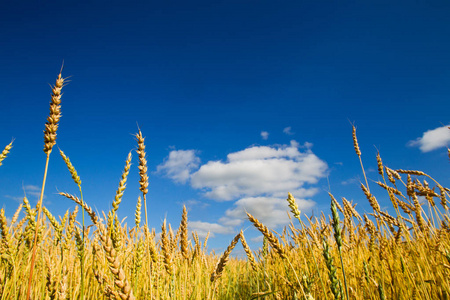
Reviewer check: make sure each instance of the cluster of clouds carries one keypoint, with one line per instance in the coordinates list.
(255, 180)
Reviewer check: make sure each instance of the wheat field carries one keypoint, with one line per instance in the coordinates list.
(400, 254)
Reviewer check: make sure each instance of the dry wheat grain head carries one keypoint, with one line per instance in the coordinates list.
(184, 234)
(248, 251)
(166, 249)
(87, 208)
(273, 240)
(51, 126)
(224, 259)
(5, 152)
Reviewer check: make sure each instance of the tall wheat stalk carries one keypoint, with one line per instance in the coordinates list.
(77, 181)
(143, 182)
(51, 126)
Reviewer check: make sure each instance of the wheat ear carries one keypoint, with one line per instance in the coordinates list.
(16, 215)
(184, 234)
(137, 213)
(165, 245)
(122, 184)
(248, 251)
(224, 259)
(411, 172)
(87, 208)
(126, 292)
(358, 152)
(335, 283)
(143, 181)
(273, 240)
(5, 152)
(6, 237)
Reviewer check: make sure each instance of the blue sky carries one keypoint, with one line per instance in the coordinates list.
(240, 102)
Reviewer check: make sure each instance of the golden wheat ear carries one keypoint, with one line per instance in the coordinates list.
(51, 126)
(184, 234)
(224, 259)
(5, 152)
(273, 240)
(248, 251)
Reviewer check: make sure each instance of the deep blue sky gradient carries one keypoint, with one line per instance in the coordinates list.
(210, 76)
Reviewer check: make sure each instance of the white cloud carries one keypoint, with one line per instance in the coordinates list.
(15, 198)
(288, 130)
(196, 203)
(259, 171)
(257, 178)
(350, 181)
(32, 192)
(202, 228)
(179, 165)
(264, 135)
(432, 139)
(258, 239)
(270, 211)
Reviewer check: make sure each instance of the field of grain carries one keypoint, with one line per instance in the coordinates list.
(341, 255)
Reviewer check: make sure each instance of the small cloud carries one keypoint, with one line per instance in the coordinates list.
(432, 139)
(196, 203)
(30, 187)
(32, 192)
(306, 145)
(230, 221)
(371, 170)
(339, 163)
(288, 130)
(202, 228)
(264, 135)
(179, 165)
(422, 199)
(349, 181)
(15, 198)
(258, 239)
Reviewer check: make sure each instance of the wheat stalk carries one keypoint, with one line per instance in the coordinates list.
(143, 181)
(49, 141)
(338, 237)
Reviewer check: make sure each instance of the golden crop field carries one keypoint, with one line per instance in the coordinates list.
(342, 255)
